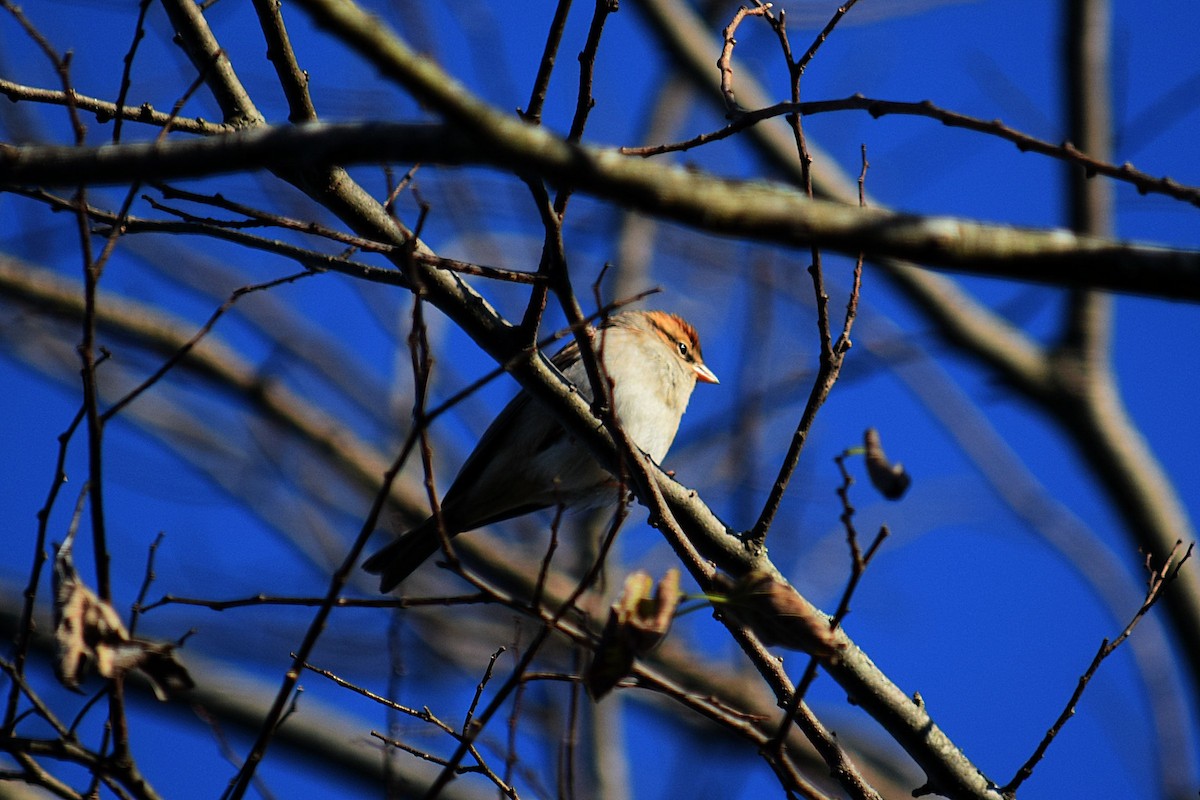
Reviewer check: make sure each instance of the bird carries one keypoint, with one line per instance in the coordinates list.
(526, 461)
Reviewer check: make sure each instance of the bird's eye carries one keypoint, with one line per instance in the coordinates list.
(683, 349)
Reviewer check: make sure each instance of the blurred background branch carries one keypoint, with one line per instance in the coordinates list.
(1046, 425)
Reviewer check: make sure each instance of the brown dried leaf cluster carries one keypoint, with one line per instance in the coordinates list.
(90, 634)
(636, 624)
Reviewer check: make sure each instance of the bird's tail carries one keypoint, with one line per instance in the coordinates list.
(396, 562)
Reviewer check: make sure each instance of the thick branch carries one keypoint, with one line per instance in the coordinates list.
(747, 209)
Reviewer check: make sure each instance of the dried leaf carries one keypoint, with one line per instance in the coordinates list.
(90, 634)
(890, 479)
(636, 624)
(778, 615)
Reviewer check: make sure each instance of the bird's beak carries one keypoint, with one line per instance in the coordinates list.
(704, 374)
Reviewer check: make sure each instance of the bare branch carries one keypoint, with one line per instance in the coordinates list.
(1157, 581)
(752, 210)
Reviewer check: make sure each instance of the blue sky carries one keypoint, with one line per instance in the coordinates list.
(968, 603)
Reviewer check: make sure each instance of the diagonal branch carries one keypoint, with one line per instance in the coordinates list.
(946, 767)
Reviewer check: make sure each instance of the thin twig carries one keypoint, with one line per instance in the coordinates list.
(584, 102)
(139, 33)
(569, 743)
(224, 747)
(725, 61)
(480, 768)
(25, 626)
(805, 59)
(1144, 182)
(188, 346)
(483, 682)
(341, 602)
(147, 580)
(241, 782)
(1157, 580)
(539, 586)
(858, 565)
(541, 84)
(514, 680)
(830, 357)
(105, 110)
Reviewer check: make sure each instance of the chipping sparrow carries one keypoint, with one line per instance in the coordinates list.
(526, 461)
